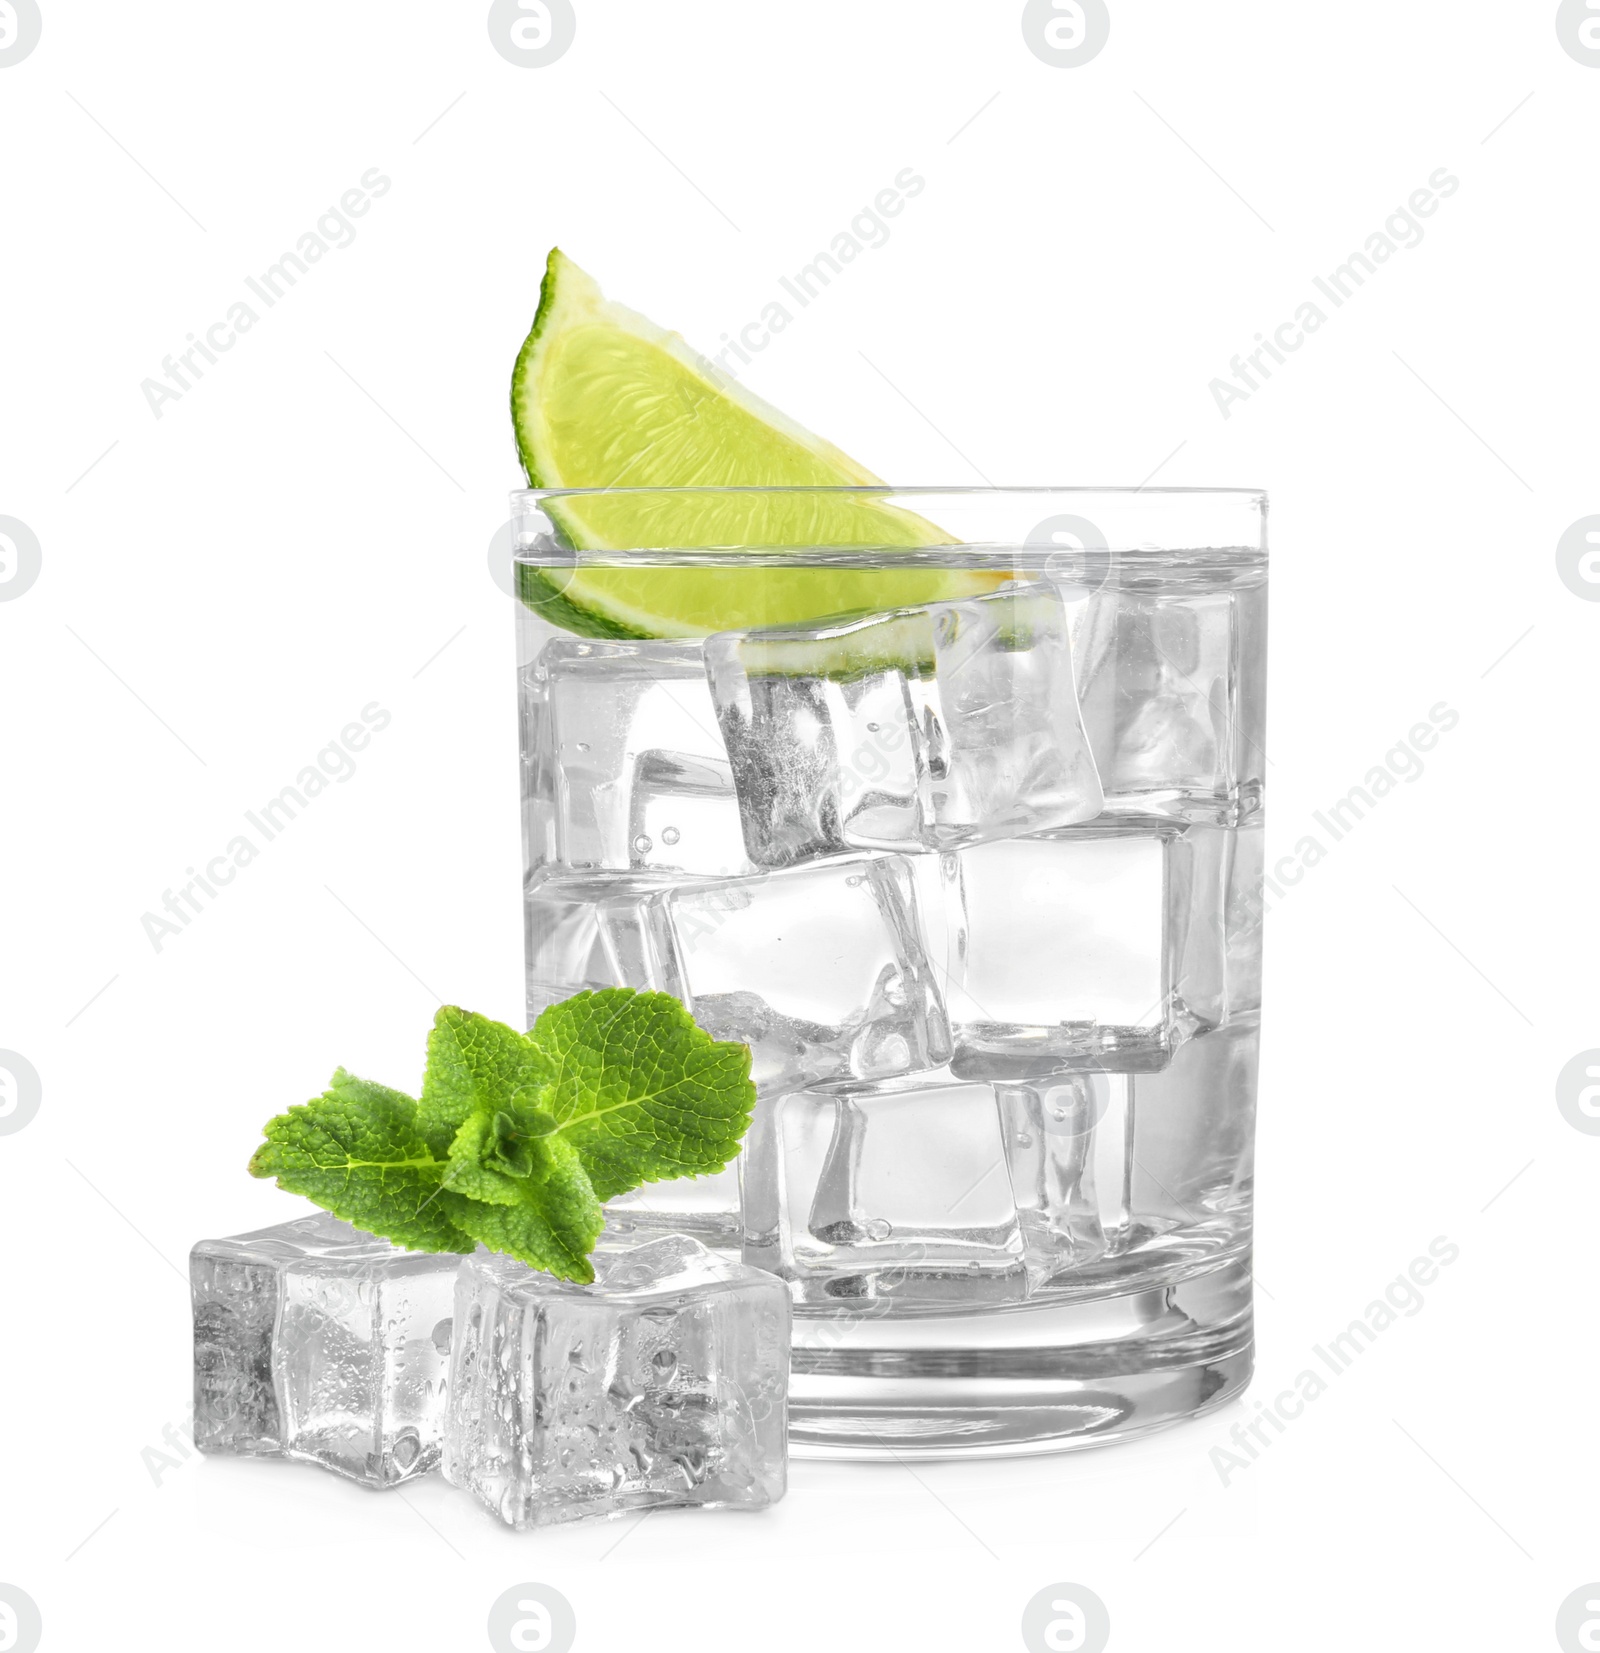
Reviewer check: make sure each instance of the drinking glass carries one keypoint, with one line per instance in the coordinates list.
(948, 803)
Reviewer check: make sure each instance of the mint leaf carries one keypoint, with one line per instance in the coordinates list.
(640, 1090)
(519, 1137)
(495, 1154)
(357, 1152)
(552, 1222)
(473, 1065)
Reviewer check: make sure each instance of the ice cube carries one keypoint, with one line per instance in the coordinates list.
(538, 768)
(821, 970)
(923, 728)
(1003, 737)
(315, 1341)
(1199, 870)
(1246, 908)
(684, 815)
(1067, 1152)
(565, 946)
(1214, 906)
(662, 1384)
(1193, 1138)
(884, 1192)
(1077, 949)
(1115, 1172)
(821, 767)
(623, 736)
(1172, 686)
(706, 1208)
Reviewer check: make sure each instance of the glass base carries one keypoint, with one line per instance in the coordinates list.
(1033, 1378)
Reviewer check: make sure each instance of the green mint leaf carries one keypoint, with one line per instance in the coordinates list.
(474, 1066)
(356, 1151)
(518, 1145)
(519, 1137)
(494, 1155)
(473, 1171)
(552, 1224)
(641, 1091)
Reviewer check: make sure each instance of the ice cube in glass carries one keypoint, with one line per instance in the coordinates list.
(705, 1207)
(821, 969)
(636, 767)
(1097, 946)
(1171, 687)
(1120, 1172)
(921, 728)
(891, 1192)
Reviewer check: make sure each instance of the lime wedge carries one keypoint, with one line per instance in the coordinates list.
(603, 398)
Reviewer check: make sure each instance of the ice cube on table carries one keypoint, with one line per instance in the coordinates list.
(624, 739)
(821, 970)
(922, 728)
(315, 1341)
(1076, 948)
(894, 1192)
(1120, 1171)
(1172, 687)
(663, 1384)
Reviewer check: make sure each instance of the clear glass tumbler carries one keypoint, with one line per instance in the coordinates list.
(948, 803)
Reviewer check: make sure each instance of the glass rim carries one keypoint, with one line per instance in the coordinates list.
(1003, 490)
(1048, 528)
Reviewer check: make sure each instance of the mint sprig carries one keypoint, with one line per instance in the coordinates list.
(518, 1137)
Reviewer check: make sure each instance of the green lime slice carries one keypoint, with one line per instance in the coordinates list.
(603, 398)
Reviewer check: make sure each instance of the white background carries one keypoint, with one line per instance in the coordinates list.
(305, 532)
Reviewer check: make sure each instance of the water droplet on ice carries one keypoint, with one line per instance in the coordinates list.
(669, 835)
(642, 845)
